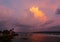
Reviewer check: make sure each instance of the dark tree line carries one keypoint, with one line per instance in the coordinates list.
(7, 36)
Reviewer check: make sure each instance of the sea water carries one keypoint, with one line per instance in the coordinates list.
(35, 37)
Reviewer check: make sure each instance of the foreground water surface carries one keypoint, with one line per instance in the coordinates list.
(38, 38)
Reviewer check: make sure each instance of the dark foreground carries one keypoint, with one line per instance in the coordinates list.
(38, 38)
(11, 36)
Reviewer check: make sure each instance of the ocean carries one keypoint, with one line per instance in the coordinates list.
(35, 37)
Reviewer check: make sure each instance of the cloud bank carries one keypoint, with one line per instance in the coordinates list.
(16, 14)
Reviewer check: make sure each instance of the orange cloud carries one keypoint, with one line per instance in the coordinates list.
(38, 14)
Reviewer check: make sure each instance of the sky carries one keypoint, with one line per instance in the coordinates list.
(29, 15)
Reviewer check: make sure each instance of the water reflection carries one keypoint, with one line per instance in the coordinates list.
(38, 38)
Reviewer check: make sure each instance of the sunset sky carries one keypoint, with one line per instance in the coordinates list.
(29, 15)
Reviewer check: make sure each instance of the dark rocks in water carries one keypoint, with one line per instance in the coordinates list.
(25, 38)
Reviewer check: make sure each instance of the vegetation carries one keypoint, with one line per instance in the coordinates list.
(7, 36)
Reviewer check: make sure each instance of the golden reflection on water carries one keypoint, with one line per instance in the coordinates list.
(37, 38)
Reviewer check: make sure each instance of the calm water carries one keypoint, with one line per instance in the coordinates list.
(38, 38)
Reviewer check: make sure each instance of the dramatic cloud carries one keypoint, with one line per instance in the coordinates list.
(58, 11)
(18, 12)
(38, 14)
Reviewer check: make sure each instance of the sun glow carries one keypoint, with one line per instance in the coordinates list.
(38, 14)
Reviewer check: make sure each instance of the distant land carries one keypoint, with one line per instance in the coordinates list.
(49, 32)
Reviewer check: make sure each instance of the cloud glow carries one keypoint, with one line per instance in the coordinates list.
(38, 14)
